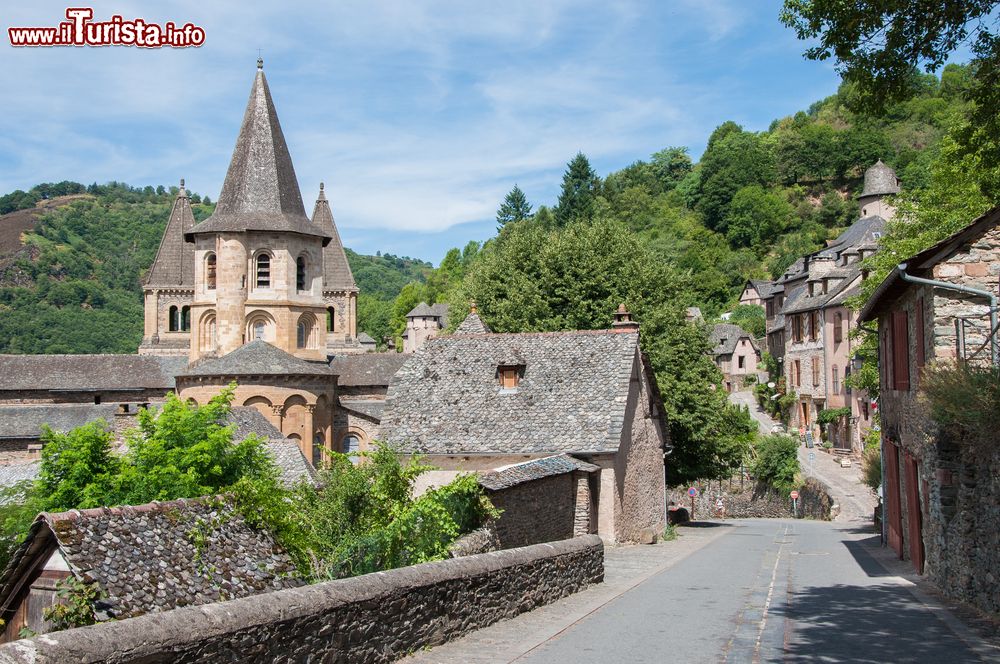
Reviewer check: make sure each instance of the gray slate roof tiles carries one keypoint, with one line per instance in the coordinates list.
(473, 324)
(368, 369)
(370, 408)
(89, 372)
(174, 263)
(725, 336)
(260, 192)
(145, 559)
(536, 469)
(571, 397)
(25, 421)
(337, 274)
(257, 358)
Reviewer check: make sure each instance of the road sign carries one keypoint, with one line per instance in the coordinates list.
(693, 492)
(812, 457)
(794, 495)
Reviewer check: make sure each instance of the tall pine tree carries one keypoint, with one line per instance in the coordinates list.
(579, 188)
(515, 207)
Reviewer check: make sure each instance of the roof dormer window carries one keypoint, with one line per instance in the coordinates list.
(509, 376)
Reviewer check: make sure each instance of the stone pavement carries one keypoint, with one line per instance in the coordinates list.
(626, 567)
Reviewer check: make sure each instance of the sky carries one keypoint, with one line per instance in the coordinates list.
(418, 115)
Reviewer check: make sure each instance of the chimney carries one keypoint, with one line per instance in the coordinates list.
(623, 319)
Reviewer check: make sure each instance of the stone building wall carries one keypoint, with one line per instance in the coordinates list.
(538, 511)
(753, 502)
(373, 618)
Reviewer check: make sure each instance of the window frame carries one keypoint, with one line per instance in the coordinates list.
(900, 350)
(262, 280)
(211, 271)
(301, 272)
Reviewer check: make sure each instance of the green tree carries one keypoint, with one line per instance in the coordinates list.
(734, 159)
(755, 217)
(751, 318)
(877, 45)
(670, 166)
(515, 207)
(579, 189)
(777, 462)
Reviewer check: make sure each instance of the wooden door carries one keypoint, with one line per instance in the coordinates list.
(914, 530)
(894, 515)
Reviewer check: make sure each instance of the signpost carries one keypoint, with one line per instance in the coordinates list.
(812, 457)
(795, 503)
(693, 492)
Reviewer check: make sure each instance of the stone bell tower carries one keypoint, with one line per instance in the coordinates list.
(258, 260)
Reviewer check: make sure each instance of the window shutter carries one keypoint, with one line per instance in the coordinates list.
(920, 333)
(900, 351)
(815, 365)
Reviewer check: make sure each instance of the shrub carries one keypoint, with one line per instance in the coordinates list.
(966, 399)
(777, 462)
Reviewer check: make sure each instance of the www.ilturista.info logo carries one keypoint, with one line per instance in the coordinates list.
(80, 30)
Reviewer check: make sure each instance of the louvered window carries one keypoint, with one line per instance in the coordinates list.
(900, 351)
(263, 271)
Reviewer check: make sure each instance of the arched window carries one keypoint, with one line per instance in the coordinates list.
(210, 272)
(331, 319)
(263, 277)
(173, 320)
(352, 446)
(185, 319)
(319, 442)
(207, 332)
(300, 273)
(838, 327)
(259, 329)
(259, 325)
(303, 334)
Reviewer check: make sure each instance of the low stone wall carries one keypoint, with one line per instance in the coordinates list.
(539, 511)
(372, 618)
(752, 502)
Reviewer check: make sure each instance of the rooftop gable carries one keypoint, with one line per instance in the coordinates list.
(174, 262)
(337, 275)
(571, 394)
(257, 358)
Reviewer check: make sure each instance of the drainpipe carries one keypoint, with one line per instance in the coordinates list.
(995, 351)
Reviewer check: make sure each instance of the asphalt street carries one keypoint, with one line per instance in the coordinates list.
(769, 591)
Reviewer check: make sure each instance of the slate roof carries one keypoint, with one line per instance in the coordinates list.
(25, 421)
(473, 324)
(880, 179)
(800, 299)
(16, 473)
(422, 309)
(370, 408)
(337, 274)
(571, 397)
(763, 287)
(174, 262)
(725, 336)
(251, 422)
(861, 232)
(368, 369)
(536, 469)
(257, 358)
(291, 462)
(365, 338)
(144, 558)
(260, 192)
(89, 373)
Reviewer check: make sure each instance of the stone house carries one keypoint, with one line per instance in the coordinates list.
(940, 489)
(483, 401)
(423, 322)
(756, 291)
(143, 559)
(736, 353)
(809, 322)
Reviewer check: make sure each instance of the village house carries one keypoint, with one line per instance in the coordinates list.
(423, 322)
(809, 323)
(940, 490)
(143, 559)
(478, 401)
(736, 354)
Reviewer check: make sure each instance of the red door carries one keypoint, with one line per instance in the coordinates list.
(914, 524)
(894, 515)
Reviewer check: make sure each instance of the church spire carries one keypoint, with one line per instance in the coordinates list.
(260, 191)
(174, 262)
(337, 275)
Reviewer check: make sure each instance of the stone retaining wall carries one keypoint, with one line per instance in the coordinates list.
(372, 618)
(752, 502)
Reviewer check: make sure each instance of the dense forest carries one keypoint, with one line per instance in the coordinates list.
(752, 204)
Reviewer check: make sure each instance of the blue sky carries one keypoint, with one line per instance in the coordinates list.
(419, 116)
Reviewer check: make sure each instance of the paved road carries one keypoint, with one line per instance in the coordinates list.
(768, 591)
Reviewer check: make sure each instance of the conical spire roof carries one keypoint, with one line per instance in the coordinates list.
(174, 263)
(260, 192)
(880, 180)
(337, 274)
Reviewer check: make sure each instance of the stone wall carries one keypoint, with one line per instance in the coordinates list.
(538, 511)
(372, 618)
(753, 502)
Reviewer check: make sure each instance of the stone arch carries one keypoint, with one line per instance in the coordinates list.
(262, 404)
(210, 270)
(306, 332)
(331, 319)
(263, 268)
(173, 319)
(260, 325)
(353, 440)
(207, 332)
